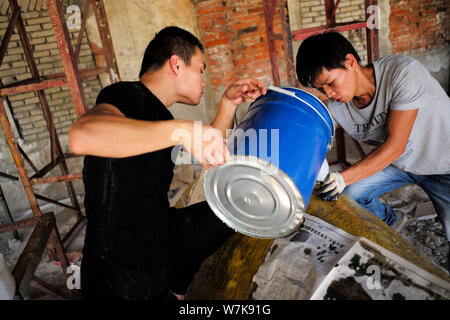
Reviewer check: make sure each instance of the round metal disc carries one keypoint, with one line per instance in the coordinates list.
(254, 197)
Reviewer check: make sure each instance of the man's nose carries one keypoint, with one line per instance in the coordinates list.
(328, 91)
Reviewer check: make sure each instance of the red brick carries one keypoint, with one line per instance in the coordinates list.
(256, 10)
(239, 29)
(215, 42)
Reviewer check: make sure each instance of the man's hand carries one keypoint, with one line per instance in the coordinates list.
(204, 142)
(245, 90)
(331, 188)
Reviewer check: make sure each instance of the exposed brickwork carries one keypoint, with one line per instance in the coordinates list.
(26, 106)
(312, 14)
(417, 25)
(235, 40)
(211, 17)
(236, 45)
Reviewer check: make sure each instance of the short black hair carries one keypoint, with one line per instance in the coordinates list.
(167, 42)
(322, 50)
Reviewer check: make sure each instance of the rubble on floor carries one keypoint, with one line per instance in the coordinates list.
(48, 269)
(422, 228)
(184, 175)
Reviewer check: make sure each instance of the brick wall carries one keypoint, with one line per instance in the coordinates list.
(354, 10)
(235, 40)
(236, 43)
(26, 106)
(311, 13)
(417, 25)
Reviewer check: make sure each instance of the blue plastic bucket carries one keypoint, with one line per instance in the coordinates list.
(291, 131)
(305, 130)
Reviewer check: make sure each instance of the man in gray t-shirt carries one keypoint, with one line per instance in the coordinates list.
(403, 84)
(393, 103)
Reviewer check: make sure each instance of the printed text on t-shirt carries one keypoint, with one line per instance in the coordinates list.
(376, 120)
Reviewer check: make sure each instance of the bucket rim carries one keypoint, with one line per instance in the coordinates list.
(332, 128)
(217, 207)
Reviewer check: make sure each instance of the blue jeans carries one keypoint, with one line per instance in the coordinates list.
(367, 191)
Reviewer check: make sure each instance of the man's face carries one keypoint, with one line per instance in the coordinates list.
(191, 82)
(337, 84)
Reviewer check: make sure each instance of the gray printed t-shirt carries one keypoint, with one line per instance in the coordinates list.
(402, 83)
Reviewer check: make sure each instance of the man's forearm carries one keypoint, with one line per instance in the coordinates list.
(245, 90)
(118, 137)
(376, 161)
(225, 116)
(398, 130)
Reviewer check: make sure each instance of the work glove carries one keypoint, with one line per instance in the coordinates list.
(331, 188)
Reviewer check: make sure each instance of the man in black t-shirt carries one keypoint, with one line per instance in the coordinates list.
(136, 246)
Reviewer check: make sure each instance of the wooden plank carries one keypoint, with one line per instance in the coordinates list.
(32, 253)
(228, 273)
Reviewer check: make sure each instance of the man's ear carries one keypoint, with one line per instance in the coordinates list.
(350, 61)
(174, 64)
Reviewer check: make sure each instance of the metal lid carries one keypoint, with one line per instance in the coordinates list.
(254, 197)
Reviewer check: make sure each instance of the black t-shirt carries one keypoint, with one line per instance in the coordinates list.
(126, 199)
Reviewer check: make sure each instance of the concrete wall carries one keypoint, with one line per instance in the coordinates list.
(437, 62)
(421, 29)
(133, 23)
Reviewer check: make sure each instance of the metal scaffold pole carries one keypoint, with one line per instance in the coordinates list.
(288, 36)
(72, 78)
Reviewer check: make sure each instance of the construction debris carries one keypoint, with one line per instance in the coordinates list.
(423, 228)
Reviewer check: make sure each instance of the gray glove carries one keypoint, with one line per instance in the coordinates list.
(331, 188)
